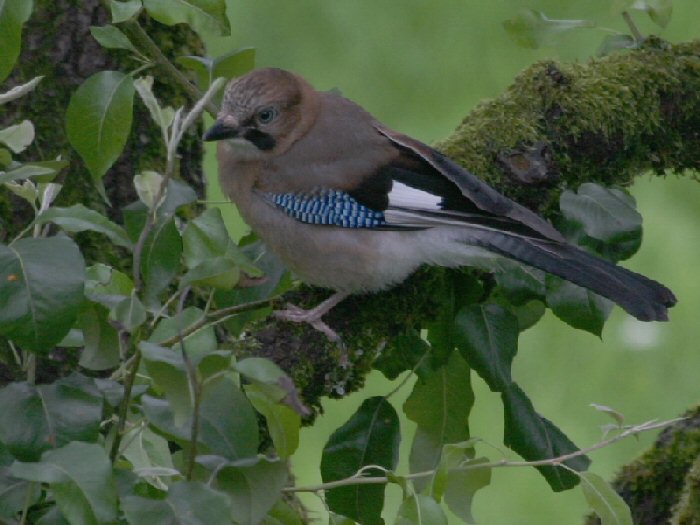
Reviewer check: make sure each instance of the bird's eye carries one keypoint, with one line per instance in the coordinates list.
(267, 115)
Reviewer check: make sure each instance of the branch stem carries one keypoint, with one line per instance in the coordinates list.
(124, 405)
(148, 47)
(638, 37)
(358, 479)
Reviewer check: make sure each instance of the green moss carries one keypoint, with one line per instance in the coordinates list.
(366, 323)
(607, 120)
(687, 511)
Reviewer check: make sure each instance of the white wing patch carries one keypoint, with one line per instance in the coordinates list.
(404, 196)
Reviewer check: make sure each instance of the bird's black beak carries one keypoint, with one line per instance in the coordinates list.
(220, 131)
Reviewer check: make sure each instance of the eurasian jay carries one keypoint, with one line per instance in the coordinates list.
(351, 205)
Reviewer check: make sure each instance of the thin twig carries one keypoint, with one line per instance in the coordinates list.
(216, 316)
(358, 479)
(124, 404)
(638, 37)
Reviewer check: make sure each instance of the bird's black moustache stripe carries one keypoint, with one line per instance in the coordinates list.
(261, 140)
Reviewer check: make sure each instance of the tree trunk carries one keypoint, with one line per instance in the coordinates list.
(56, 43)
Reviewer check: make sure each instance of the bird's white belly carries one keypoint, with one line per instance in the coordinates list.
(359, 259)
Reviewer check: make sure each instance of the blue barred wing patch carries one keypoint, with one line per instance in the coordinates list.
(328, 207)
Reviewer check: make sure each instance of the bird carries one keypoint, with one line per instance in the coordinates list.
(349, 204)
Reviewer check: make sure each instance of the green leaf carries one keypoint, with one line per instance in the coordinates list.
(171, 326)
(201, 66)
(576, 306)
(220, 272)
(78, 218)
(658, 10)
(605, 502)
(167, 370)
(55, 165)
(617, 416)
(80, 477)
(123, 11)
(283, 513)
(111, 37)
(128, 314)
(204, 16)
(283, 423)
(13, 15)
(402, 353)
(160, 261)
(27, 191)
(440, 405)
(39, 295)
(147, 185)
(370, 437)
(453, 455)
(148, 452)
(487, 337)
(234, 64)
(53, 516)
(614, 42)
(229, 426)
(98, 119)
(159, 414)
(5, 157)
(529, 314)
(187, 503)
(199, 344)
(521, 284)
(261, 370)
(535, 438)
(37, 418)
(161, 116)
(458, 290)
(15, 493)
(101, 340)
(609, 215)
(339, 519)
(205, 237)
(272, 381)
(24, 172)
(254, 485)
(461, 486)
(532, 29)
(420, 510)
(18, 137)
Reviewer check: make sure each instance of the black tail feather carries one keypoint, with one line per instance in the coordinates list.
(644, 298)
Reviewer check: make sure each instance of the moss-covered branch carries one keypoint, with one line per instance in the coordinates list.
(558, 125)
(608, 120)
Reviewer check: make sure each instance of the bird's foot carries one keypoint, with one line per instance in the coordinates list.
(294, 314)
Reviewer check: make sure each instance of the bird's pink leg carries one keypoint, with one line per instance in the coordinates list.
(313, 316)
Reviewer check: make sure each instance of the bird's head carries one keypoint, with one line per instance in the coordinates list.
(264, 112)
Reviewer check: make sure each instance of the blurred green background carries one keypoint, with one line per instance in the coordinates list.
(420, 67)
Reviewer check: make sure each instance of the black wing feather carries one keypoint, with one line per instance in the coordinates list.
(500, 225)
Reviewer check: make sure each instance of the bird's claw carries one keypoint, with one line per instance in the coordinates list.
(295, 314)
